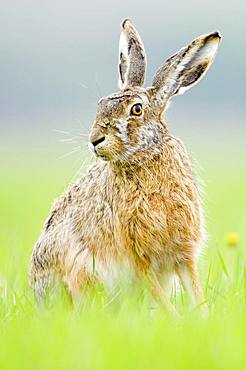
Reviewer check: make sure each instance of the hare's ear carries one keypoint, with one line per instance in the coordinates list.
(132, 58)
(185, 68)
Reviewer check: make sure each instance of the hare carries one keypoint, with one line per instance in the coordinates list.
(138, 208)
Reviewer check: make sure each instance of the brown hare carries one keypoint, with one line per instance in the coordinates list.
(138, 208)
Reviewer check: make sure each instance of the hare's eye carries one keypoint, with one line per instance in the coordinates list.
(136, 110)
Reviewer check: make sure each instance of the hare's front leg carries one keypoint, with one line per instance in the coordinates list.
(190, 280)
(160, 295)
(79, 276)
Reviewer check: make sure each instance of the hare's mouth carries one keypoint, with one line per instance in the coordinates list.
(98, 151)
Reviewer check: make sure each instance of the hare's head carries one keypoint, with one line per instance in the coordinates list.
(131, 121)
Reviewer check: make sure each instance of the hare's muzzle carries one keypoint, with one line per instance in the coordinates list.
(96, 138)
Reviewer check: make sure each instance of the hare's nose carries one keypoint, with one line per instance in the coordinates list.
(98, 140)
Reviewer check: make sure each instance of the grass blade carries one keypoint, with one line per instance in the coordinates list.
(223, 265)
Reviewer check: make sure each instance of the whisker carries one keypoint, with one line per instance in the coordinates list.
(77, 173)
(77, 149)
(73, 139)
(61, 132)
(83, 85)
(85, 162)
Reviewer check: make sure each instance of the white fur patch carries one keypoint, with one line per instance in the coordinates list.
(123, 46)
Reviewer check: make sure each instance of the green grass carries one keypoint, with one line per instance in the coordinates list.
(130, 335)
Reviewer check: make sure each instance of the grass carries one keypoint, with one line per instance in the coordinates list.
(103, 335)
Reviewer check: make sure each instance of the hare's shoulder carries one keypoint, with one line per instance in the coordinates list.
(78, 196)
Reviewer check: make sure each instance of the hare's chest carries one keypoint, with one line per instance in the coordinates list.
(142, 222)
(156, 224)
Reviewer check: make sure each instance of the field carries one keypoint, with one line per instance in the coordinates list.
(105, 335)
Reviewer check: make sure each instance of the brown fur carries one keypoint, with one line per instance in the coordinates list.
(137, 209)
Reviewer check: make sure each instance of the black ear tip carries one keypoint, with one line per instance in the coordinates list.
(214, 35)
(217, 34)
(123, 24)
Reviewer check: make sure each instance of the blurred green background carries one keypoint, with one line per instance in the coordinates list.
(56, 59)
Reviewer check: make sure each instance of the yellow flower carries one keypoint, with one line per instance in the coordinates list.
(232, 239)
